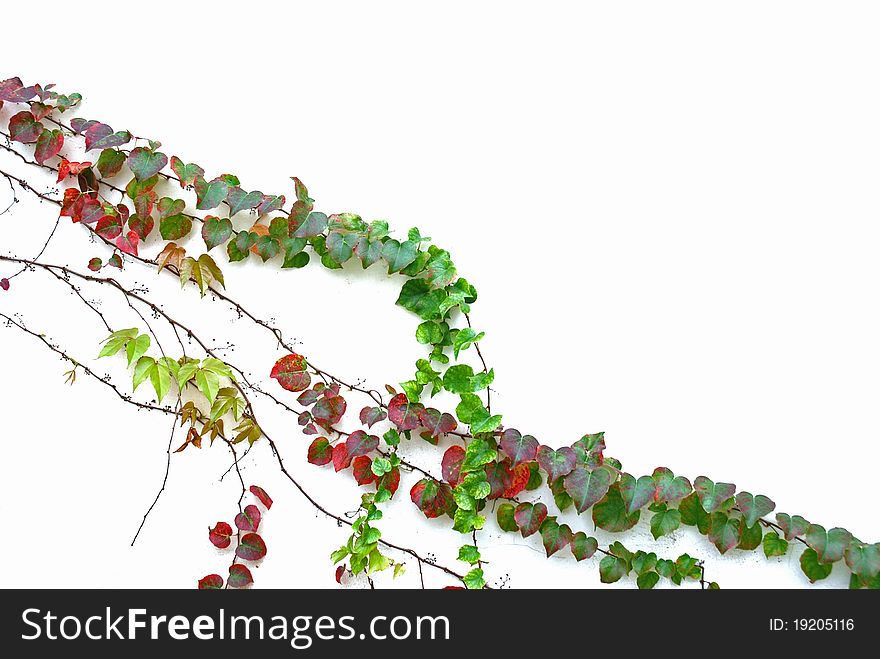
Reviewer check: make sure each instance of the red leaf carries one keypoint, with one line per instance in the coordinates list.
(339, 572)
(49, 143)
(372, 415)
(290, 371)
(320, 452)
(4, 284)
(108, 227)
(451, 464)
(240, 576)
(220, 535)
(556, 463)
(521, 473)
(249, 520)
(390, 481)
(141, 226)
(95, 264)
(24, 128)
(211, 582)
(261, 494)
(341, 458)
(436, 423)
(529, 517)
(13, 91)
(432, 497)
(362, 469)
(329, 410)
(71, 205)
(251, 547)
(91, 211)
(360, 443)
(403, 414)
(518, 447)
(66, 168)
(128, 243)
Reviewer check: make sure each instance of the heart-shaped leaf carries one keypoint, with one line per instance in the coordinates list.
(437, 423)
(556, 463)
(23, 127)
(329, 410)
(108, 227)
(186, 173)
(670, 488)
(251, 547)
(506, 519)
(586, 487)
(753, 507)
(128, 243)
(723, 532)
(529, 517)
(712, 494)
(110, 162)
(360, 443)
(811, 566)
(554, 536)
(49, 144)
(399, 255)
(320, 452)
(583, 546)
(311, 225)
(451, 464)
(610, 513)
(291, 373)
(519, 448)
(792, 526)
(370, 416)
(141, 226)
(636, 493)
(175, 227)
(249, 519)
(146, 163)
(211, 582)
(239, 576)
(774, 545)
(239, 200)
(210, 195)
(404, 414)
(863, 559)
(220, 536)
(665, 522)
(828, 545)
(432, 498)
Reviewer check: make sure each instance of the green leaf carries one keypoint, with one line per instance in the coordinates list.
(208, 383)
(137, 348)
(612, 568)
(665, 522)
(828, 545)
(479, 452)
(749, 536)
(429, 332)
(460, 379)
(792, 525)
(472, 412)
(610, 513)
(239, 249)
(398, 255)
(186, 173)
(340, 246)
(463, 340)
(712, 494)
(210, 195)
(310, 226)
(175, 227)
(469, 554)
(723, 532)
(297, 260)
(692, 513)
(216, 231)
(466, 521)
(145, 163)
(554, 536)
(647, 580)
(417, 296)
(117, 341)
(440, 270)
(636, 493)
(583, 546)
(753, 507)
(586, 487)
(110, 162)
(670, 488)
(811, 566)
(774, 545)
(267, 247)
(505, 517)
(142, 371)
(863, 559)
(474, 580)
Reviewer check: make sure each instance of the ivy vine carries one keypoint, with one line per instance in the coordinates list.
(130, 197)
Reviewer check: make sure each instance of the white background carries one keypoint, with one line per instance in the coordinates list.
(669, 210)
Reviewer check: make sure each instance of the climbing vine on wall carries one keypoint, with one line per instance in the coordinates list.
(144, 206)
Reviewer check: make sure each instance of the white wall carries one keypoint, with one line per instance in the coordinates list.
(669, 210)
